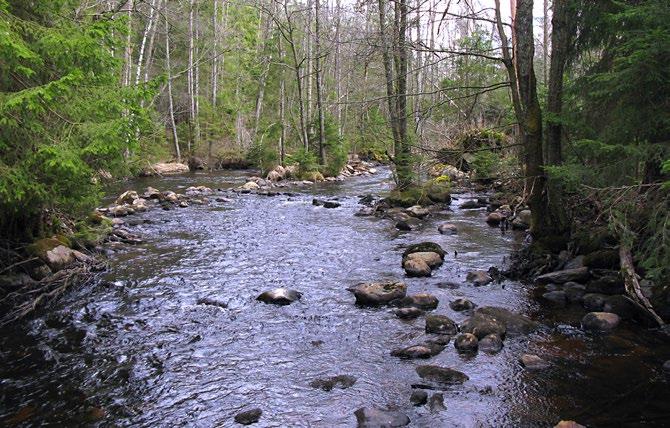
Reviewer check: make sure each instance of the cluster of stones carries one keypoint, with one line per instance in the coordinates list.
(599, 292)
(284, 175)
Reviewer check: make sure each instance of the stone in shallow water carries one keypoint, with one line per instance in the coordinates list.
(479, 277)
(441, 375)
(280, 296)
(600, 321)
(436, 402)
(412, 352)
(339, 381)
(482, 325)
(461, 305)
(533, 362)
(515, 324)
(440, 324)
(447, 229)
(372, 417)
(421, 300)
(408, 313)
(416, 268)
(491, 343)
(568, 424)
(248, 417)
(466, 342)
(378, 293)
(556, 298)
(563, 276)
(419, 397)
(431, 258)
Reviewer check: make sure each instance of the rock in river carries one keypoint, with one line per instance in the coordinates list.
(436, 402)
(491, 343)
(515, 324)
(563, 276)
(248, 417)
(328, 383)
(447, 229)
(466, 342)
(280, 296)
(441, 375)
(424, 247)
(479, 277)
(600, 321)
(408, 313)
(431, 258)
(412, 352)
(482, 325)
(419, 397)
(533, 362)
(416, 268)
(372, 417)
(421, 300)
(461, 305)
(440, 324)
(378, 293)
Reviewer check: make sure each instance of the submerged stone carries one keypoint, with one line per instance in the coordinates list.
(280, 296)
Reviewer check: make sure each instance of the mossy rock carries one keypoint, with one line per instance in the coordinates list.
(40, 247)
(589, 241)
(439, 190)
(602, 259)
(408, 198)
(89, 236)
(424, 247)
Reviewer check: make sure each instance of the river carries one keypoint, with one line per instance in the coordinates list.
(136, 348)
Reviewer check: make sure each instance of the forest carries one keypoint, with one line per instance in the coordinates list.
(523, 146)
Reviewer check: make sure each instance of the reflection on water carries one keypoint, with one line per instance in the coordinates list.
(152, 355)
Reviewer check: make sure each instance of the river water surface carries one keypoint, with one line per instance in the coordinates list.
(136, 348)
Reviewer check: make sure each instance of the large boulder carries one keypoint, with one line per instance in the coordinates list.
(195, 163)
(280, 296)
(441, 375)
(494, 218)
(417, 211)
(594, 301)
(373, 417)
(600, 321)
(378, 293)
(424, 247)
(440, 324)
(250, 185)
(482, 325)
(521, 220)
(167, 168)
(515, 324)
(415, 267)
(432, 259)
(127, 197)
(562, 276)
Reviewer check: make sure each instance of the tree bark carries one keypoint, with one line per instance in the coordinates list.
(169, 88)
(319, 89)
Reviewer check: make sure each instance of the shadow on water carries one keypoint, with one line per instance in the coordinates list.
(137, 349)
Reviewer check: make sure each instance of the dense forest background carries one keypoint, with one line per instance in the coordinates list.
(570, 107)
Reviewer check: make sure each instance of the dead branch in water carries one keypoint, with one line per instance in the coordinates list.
(29, 299)
(633, 285)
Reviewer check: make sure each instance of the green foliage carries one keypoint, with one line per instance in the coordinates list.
(263, 155)
(337, 150)
(63, 115)
(305, 160)
(485, 164)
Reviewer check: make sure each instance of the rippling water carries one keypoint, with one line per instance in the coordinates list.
(153, 356)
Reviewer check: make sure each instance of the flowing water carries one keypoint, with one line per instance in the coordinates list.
(136, 348)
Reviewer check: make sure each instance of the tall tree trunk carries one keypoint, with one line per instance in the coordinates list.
(152, 38)
(403, 158)
(282, 104)
(319, 89)
(145, 37)
(338, 68)
(173, 125)
(189, 75)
